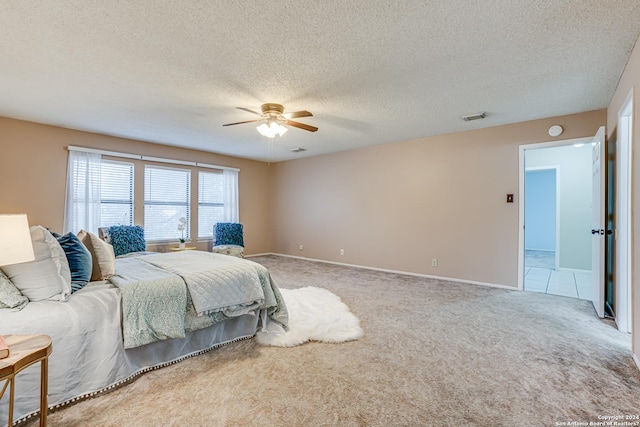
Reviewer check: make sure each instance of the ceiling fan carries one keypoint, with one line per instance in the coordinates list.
(273, 118)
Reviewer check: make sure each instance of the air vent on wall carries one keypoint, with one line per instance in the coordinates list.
(471, 117)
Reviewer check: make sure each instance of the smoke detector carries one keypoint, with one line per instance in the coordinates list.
(471, 117)
(556, 130)
(298, 150)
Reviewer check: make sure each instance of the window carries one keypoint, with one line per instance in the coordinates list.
(166, 200)
(210, 202)
(99, 193)
(116, 193)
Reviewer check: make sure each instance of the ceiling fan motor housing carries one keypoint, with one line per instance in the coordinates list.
(270, 109)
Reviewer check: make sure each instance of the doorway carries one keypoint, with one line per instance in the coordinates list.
(556, 215)
(541, 212)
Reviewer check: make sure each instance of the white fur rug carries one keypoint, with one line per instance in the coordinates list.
(315, 314)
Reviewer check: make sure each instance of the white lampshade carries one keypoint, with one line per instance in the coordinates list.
(281, 130)
(15, 240)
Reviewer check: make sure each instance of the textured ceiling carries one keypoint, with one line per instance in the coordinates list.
(370, 71)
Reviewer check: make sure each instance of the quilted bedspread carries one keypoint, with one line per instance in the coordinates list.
(216, 282)
(164, 295)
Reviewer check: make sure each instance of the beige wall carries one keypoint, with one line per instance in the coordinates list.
(398, 206)
(630, 79)
(33, 167)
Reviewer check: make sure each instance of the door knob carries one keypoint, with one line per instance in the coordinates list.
(601, 231)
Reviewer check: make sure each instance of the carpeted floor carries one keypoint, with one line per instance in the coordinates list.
(433, 354)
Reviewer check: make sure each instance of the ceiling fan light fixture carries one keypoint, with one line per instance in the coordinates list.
(265, 130)
(280, 129)
(273, 119)
(271, 129)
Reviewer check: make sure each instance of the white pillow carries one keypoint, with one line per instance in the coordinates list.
(48, 276)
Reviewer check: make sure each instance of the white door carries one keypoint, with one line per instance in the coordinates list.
(597, 224)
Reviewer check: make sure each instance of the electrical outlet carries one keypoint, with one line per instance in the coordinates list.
(341, 251)
(301, 247)
(434, 262)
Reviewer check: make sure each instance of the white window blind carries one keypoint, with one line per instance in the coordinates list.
(210, 202)
(166, 200)
(116, 193)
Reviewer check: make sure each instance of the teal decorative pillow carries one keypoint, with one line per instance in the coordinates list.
(79, 257)
(10, 296)
(127, 238)
(228, 233)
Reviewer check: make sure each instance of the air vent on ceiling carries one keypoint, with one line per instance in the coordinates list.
(474, 117)
(298, 150)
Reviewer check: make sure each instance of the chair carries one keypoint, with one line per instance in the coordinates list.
(228, 239)
(124, 238)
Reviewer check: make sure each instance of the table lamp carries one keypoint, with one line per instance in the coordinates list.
(15, 247)
(15, 240)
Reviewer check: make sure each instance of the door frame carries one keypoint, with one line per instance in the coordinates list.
(555, 168)
(521, 170)
(622, 232)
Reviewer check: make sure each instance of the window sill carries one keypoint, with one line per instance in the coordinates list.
(166, 242)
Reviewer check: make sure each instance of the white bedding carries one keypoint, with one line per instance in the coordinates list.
(88, 353)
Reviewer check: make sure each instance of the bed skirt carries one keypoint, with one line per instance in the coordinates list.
(88, 355)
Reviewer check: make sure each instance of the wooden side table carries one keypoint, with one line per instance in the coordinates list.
(24, 351)
(186, 248)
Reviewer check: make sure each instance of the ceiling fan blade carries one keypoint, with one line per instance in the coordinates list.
(248, 111)
(301, 126)
(297, 114)
(239, 123)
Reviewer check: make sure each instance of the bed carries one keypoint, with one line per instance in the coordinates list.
(156, 310)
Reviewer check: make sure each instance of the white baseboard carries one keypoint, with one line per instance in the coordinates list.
(635, 359)
(407, 273)
(264, 254)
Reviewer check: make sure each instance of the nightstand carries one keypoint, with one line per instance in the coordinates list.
(24, 351)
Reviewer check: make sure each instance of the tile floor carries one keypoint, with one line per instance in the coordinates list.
(540, 276)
